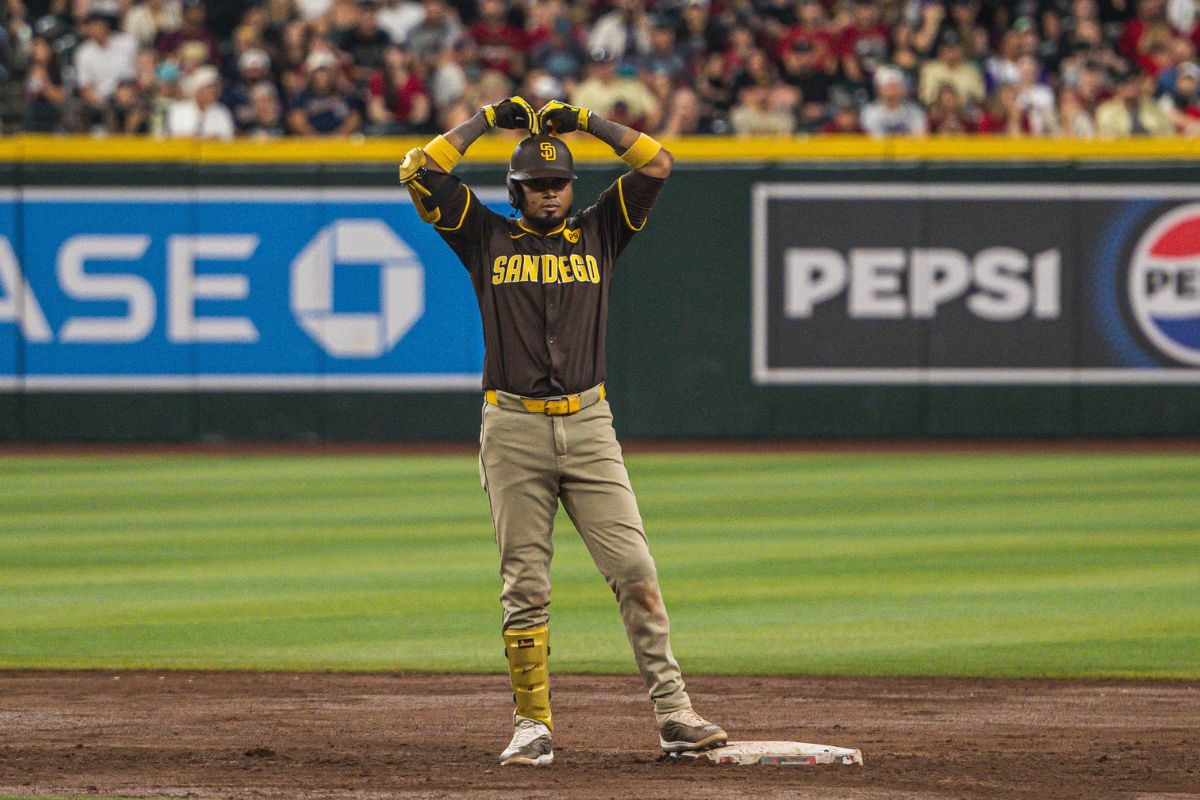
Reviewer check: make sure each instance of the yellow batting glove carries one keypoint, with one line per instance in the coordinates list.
(512, 113)
(559, 117)
(414, 162)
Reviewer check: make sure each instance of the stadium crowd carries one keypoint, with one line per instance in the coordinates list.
(268, 68)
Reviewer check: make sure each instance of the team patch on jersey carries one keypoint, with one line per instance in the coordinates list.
(571, 236)
(545, 269)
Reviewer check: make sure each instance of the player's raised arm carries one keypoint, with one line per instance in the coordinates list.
(440, 198)
(641, 152)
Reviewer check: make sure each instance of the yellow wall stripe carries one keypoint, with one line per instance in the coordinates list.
(497, 148)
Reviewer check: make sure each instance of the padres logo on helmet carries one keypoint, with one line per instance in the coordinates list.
(540, 156)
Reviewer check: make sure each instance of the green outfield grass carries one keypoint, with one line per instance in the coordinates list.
(1020, 565)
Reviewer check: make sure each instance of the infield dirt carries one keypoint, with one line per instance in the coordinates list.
(337, 735)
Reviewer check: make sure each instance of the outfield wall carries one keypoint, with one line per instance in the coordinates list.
(828, 288)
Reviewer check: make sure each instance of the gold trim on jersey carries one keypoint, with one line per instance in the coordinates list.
(624, 210)
(559, 229)
(461, 219)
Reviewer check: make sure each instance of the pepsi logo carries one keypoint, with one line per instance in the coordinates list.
(1163, 284)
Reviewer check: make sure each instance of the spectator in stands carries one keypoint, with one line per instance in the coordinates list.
(201, 115)
(127, 113)
(700, 34)
(950, 68)
(192, 30)
(400, 17)
(948, 115)
(149, 19)
(624, 32)
(664, 56)
(812, 26)
(904, 55)
(843, 117)
(755, 116)
(101, 63)
(312, 11)
(1001, 68)
(162, 94)
(1003, 115)
(1182, 103)
(1148, 28)
(499, 45)
(540, 87)
(607, 87)
(398, 101)
(365, 42)
(893, 114)
(322, 109)
(1053, 46)
(1132, 110)
(715, 92)
(928, 27)
(540, 16)
(267, 122)
(755, 70)
(438, 31)
(814, 75)
(295, 39)
(964, 22)
(561, 55)
(254, 67)
(44, 91)
(680, 108)
(1035, 99)
(863, 44)
(448, 81)
(1074, 120)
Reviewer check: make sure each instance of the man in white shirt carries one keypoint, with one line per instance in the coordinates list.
(200, 116)
(102, 62)
(399, 17)
(893, 114)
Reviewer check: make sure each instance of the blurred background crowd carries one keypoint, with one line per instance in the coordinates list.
(269, 68)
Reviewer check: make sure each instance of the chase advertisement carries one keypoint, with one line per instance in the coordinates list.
(975, 283)
(258, 289)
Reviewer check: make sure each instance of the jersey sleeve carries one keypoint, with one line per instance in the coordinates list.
(622, 209)
(456, 214)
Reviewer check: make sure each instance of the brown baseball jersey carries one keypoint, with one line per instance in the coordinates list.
(543, 297)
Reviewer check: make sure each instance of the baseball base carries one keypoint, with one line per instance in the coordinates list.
(778, 754)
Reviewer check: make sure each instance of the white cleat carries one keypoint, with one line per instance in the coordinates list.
(530, 744)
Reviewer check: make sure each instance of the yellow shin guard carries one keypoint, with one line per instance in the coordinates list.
(528, 654)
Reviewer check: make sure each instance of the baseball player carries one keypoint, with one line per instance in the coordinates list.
(542, 280)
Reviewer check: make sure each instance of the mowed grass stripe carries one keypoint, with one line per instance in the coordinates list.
(1063, 565)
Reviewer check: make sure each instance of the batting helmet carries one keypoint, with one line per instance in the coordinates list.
(540, 156)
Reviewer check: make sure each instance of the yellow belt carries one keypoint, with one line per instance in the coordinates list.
(551, 406)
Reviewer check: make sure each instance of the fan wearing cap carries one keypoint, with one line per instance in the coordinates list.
(542, 279)
(200, 115)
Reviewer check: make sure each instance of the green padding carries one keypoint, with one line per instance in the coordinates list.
(679, 335)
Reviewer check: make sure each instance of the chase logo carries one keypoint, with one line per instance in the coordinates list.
(1163, 284)
(357, 244)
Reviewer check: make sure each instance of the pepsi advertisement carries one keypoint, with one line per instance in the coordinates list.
(928, 283)
(255, 289)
